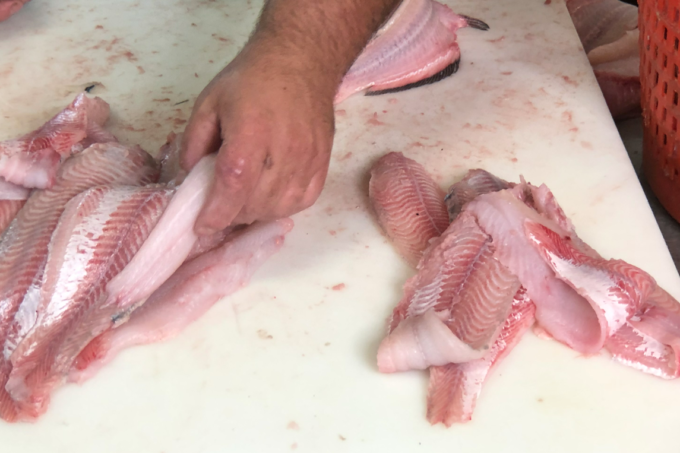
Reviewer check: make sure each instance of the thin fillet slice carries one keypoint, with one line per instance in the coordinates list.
(416, 46)
(98, 233)
(559, 308)
(186, 295)
(454, 388)
(475, 182)
(9, 210)
(24, 244)
(33, 159)
(453, 309)
(409, 204)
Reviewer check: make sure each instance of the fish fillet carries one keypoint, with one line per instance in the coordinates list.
(187, 295)
(98, 233)
(454, 307)
(475, 182)
(416, 46)
(409, 204)
(9, 210)
(168, 245)
(33, 159)
(454, 388)
(24, 245)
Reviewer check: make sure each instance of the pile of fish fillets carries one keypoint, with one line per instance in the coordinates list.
(493, 259)
(98, 253)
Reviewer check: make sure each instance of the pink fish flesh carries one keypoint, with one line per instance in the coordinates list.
(8, 210)
(608, 30)
(474, 183)
(168, 245)
(33, 159)
(454, 388)
(409, 204)
(24, 245)
(8, 8)
(454, 307)
(416, 46)
(9, 191)
(98, 233)
(187, 295)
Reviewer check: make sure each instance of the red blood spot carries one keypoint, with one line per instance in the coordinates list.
(417, 144)
(570, 81)
(99, 27)
(466, 126)
(338, 287)
(140, 70)
(499, 39)
(384, 111)
(506, 73)
(514, 159)
(332, 232)
(374, 120)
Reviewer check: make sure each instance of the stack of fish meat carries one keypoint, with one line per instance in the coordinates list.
(509, 259)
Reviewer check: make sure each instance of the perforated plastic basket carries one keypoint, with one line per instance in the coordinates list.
(659, 62)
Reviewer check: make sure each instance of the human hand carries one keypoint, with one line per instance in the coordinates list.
(271, 120)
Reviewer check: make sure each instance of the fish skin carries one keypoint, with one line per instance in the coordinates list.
(502, 215)
(32, 160)
(191, 291)
(408, 203)
(98, 233)
(416, 46)
(454, 307)
(475, 182)
(24, 244)
(168, 245)
(9, 210)
(454, 388)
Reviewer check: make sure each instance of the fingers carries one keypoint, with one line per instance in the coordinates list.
(237, 171)
(201, 136)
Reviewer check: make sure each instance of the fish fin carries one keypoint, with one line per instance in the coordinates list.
(475, 23)
(444, 73)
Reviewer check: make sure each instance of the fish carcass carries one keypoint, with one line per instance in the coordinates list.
(416, 46)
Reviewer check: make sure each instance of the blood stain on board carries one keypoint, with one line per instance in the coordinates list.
(570, 81)
(339, 287)
(375, 121)
(140, 70)
(294, 426)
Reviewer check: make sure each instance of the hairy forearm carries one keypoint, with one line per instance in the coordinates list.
(325, 36)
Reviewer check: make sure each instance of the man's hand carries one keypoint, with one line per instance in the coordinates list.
(269, 113)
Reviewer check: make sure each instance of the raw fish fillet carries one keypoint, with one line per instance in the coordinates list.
(409, 204)
(454, 307)
(8, 8)
(98, 233)
(416, 46)
(559, 308)
(172, 172)
(168, 245)
(475, 182)
(454, 388)
(187, 295)
(8, 210)
(609, 34)
(9, 191)
(24, 245)
(32, 160)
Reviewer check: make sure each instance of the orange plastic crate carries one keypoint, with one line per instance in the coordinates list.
(659, 61)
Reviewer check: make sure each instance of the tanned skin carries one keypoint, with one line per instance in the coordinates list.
(269, 113)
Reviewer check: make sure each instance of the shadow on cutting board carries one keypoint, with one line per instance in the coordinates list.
(631, 134)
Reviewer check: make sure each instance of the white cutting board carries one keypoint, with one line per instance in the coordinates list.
(288, 364)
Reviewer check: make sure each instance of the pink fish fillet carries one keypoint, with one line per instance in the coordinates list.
(8, 210)
(416, 46)
(409, 204)
(98, 233)
(187, 295)
(474, 183)
(33, 159)
(168, 245)
(24, 245)
(559, 308)
(454, 307)
(454, 388)
(8, 8)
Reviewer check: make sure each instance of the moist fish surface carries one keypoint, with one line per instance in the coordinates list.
(24, 244)
(475, 182)
(408, 203)
(8, 210)
(190, 292)
(98, 233)
(416, 46)
(32, 160)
